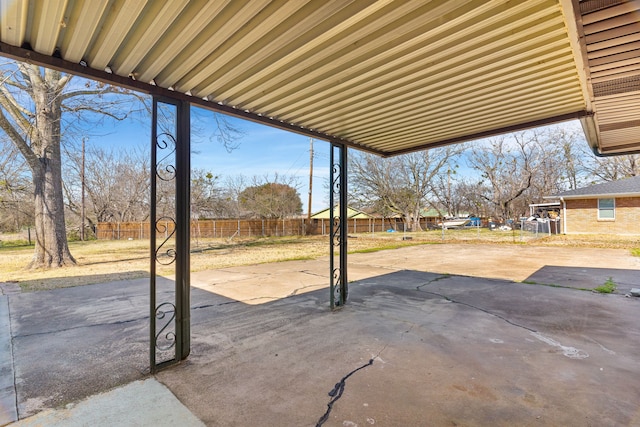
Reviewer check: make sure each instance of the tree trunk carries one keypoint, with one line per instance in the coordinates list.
(51, 247)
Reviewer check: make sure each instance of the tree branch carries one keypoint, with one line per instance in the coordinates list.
(93, 110)
(17, 112)
(19, 142)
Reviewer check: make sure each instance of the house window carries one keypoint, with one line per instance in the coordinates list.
(606, 208)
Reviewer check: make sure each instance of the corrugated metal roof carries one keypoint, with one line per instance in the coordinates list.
(385, 76)
(611, 34)
(629, 187)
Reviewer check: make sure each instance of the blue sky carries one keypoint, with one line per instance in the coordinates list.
(262, 151)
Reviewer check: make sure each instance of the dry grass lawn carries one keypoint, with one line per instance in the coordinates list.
(111, 260)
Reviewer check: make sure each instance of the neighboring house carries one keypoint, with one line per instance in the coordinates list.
(351, 213)
(608, 208)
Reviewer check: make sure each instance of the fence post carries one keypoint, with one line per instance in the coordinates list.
(118, 231)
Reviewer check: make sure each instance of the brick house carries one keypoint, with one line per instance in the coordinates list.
(607, 208)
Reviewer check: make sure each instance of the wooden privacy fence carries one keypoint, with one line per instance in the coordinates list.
(227, 228)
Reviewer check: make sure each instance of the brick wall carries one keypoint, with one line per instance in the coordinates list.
(582, 217)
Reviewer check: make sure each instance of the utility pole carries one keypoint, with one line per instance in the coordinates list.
(310, 183)
(82, 218)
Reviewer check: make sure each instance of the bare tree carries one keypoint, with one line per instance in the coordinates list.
(612, 168)
(569, 140)
(446, 199)
(116, 184)
(206, 195)
(400, 185)
(211, 127)
(16, 206)
(472, 197)
(230, 197)
(33, 102)
(521, 168)
(507, 167)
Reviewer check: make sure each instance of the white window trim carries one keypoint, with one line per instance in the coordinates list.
(614, 209)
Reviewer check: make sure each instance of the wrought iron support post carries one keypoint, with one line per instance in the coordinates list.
(170, 163)
(338, 235)
(183, 228)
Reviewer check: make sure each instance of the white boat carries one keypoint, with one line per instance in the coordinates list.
(454, 222)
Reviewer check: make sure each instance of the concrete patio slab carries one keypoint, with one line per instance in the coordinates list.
(510, 262)
(586, 277)
(263, 284)
(413, 346)
(140, 403)
(446, 350)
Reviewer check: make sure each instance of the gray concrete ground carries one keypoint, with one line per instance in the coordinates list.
(140, 403)
(433, 335)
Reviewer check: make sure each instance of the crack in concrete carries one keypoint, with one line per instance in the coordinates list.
(120, 322)
(447, 298)
(310, 273)
(435, 279)
(295, 291)
(338, 390)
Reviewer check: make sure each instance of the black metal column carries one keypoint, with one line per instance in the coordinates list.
(183, 229)
(170, 225)
(338, 235)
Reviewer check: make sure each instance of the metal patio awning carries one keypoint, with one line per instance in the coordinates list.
(384, 76)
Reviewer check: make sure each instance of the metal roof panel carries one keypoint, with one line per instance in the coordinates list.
(385, 76)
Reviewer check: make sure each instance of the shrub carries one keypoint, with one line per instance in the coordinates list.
(607, 288)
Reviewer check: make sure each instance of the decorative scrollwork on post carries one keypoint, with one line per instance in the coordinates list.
(169, 340)
(337, 201)
(165, 337)
(165, 169)
(336, 287)
(169, 302)
(165, 256)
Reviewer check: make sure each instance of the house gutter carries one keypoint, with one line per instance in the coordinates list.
(564, 215)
